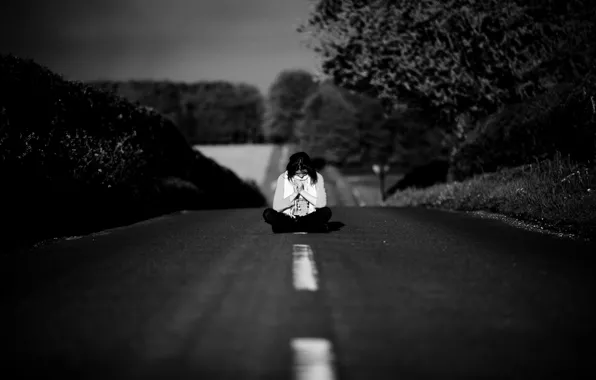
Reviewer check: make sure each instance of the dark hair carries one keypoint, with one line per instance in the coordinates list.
(301, 161)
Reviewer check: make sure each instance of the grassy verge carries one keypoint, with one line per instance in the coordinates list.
(556, 194)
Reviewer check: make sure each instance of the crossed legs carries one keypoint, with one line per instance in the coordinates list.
(282, 222)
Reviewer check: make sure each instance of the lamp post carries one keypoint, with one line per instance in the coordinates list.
(380, 172)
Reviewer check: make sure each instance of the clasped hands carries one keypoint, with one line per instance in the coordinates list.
(298, 187)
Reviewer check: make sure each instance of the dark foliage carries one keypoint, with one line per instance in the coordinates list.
(75, 159)
(560, 121)
(284, 105)
(422, 176)
(207, 112)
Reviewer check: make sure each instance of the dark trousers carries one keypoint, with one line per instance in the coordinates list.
(282, 222)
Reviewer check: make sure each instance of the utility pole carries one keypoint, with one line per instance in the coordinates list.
(380, 172)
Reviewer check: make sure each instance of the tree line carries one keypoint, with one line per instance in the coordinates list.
(400, 81)
(327, 120)
(330, 122)
(206, 112)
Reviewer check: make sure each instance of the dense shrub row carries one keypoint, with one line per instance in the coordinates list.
(74, 159)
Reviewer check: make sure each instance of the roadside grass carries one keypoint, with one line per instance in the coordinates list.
(557, 194)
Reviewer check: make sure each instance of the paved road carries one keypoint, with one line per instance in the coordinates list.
(394, 294)
(366, 187)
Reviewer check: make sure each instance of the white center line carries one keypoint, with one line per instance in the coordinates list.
(313, 359)
(304, 270)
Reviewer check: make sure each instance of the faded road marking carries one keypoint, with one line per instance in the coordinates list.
(313, 359)
(304, 270)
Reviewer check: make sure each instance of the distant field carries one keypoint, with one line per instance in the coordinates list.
(254, 162)
(247, 161)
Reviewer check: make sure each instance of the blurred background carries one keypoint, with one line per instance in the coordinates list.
(437, 92)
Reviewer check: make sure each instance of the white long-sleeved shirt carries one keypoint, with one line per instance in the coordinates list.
(280, 203)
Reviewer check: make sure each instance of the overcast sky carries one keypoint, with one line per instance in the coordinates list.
(180, 40)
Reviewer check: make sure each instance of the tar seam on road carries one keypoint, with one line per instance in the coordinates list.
(313, 357)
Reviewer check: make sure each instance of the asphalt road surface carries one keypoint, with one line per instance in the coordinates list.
(389, 294)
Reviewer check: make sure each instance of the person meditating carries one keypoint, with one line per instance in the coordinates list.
(300, 200)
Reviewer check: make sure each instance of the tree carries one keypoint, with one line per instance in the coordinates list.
(375, 145)
(460, 56)
(416, 141)
(329, 128)
(252, 113)
(283, 108)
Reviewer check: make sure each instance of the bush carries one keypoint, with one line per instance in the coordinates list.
(75, 159)
(422, 176)
(416, 140)
(561, 120)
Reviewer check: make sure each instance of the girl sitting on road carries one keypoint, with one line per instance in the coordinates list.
(300, 200)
